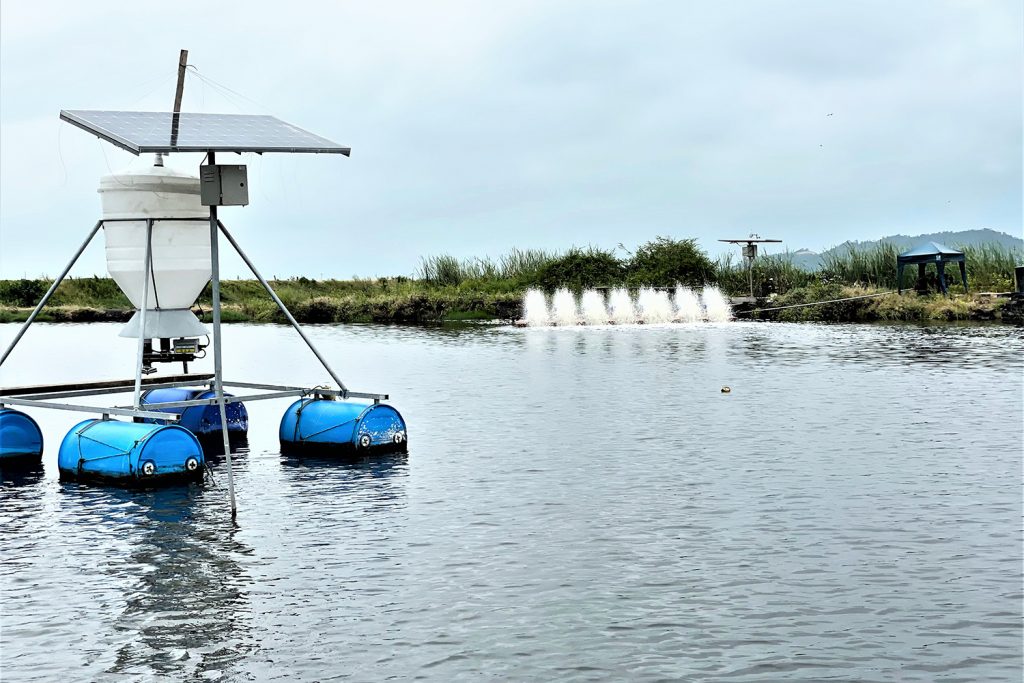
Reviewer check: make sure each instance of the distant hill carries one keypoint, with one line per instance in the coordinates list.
(811, 260)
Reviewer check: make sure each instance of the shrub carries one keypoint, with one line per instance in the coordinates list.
(664, 262)
(320, 309)
(22, 293)
(579, 268)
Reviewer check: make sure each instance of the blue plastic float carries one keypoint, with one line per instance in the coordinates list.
(130, 453)
(339, 427)
(203, 421)
(21, 440)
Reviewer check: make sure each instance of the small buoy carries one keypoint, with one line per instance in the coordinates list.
(726, 390)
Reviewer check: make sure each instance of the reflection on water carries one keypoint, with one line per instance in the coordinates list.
(577, 504)
(17, 476)
(186, 609)
(357, 469)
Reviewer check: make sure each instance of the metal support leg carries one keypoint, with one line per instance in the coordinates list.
(50, 291)
(218, 373)
(285, 311)
(147, 271)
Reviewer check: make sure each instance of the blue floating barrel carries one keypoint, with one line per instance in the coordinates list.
(21, 440)
(342, 426)
(130, 453)
(200, 420)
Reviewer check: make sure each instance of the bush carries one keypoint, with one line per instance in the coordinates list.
(579, 269)
(320, 309)
(664, 262)
(22, 293)
(837, 311)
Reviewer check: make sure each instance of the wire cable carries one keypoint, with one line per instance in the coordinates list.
(816, 303)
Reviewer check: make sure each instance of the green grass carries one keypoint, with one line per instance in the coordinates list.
(989, 269)
(773, 274)
(886, 306)
(448, 288)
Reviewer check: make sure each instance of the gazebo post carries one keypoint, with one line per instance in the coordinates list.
(931, 252)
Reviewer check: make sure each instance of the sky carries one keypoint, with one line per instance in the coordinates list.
(478, 127)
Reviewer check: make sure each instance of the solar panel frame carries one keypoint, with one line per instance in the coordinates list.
(142, 132)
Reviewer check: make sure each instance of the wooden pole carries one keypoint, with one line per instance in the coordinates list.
(178, 92)
(182, 63)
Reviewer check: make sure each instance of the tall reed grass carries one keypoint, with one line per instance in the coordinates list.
(773, 274)
(990, 267)
(446, 270)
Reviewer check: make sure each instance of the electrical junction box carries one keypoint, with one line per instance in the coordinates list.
(224, 185)
(749, 251)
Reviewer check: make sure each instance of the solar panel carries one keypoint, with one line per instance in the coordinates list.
(145, 131)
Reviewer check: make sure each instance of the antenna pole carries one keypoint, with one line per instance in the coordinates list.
(750, 272)
(182, 63)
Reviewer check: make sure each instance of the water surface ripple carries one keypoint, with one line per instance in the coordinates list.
(578, 504)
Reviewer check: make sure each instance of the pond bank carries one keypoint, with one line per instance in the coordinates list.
(842, 303)
(442, 306)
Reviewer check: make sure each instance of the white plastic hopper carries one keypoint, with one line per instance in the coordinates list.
(181, 249)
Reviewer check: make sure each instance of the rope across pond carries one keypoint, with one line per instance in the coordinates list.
(816, 303)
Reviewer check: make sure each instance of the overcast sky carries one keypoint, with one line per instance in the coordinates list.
(481, 126)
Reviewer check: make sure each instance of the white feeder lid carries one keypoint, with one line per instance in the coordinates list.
(150, 179)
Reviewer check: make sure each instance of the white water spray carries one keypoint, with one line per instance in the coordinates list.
(621, 310)
(535, 308)
(716, 306)
(649, 306)
(592, 308)
(688, 308)
(563, 308)
(654, 306)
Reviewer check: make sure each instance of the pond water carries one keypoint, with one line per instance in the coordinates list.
(577, 504)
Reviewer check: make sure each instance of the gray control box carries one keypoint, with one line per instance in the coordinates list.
(224, 185)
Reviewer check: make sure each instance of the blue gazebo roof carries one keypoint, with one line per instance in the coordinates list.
(931, 249)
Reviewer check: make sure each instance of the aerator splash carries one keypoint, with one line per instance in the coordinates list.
(621, 307)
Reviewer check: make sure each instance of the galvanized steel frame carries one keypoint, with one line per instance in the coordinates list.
(102, 410)
(150, 410)
(217, 383)
(284, 309)
(50, 291)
